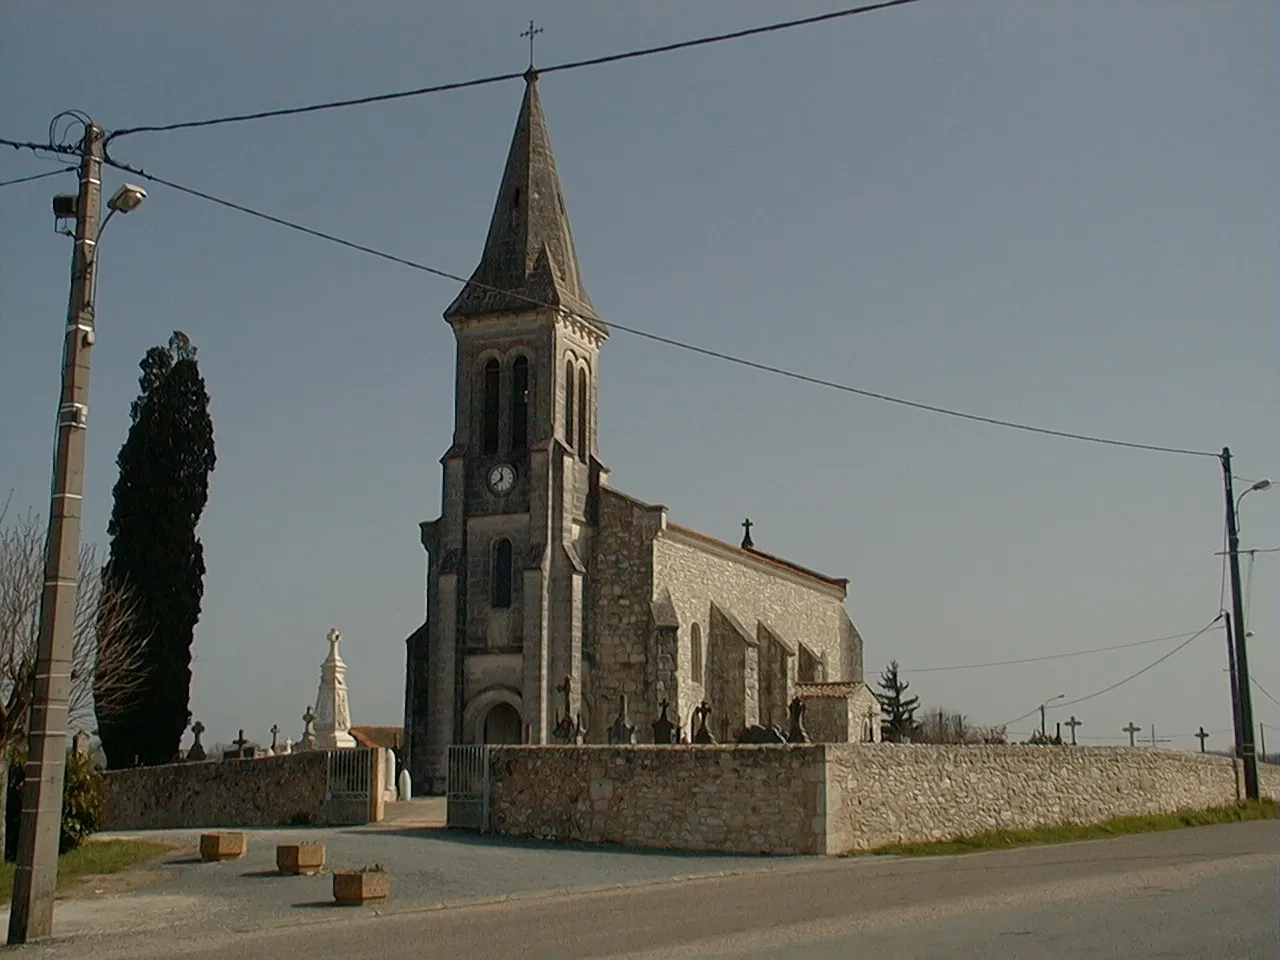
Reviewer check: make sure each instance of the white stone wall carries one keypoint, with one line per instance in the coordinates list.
(879, 794)
(838, 798)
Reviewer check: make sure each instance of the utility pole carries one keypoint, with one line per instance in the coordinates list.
(1235, 686)
(36, 877)
(1042, 730)
(1262, 741)
(1132, 729)
(1247, 752)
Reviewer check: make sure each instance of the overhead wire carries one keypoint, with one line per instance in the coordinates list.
(1052, 656)
(505, 77)
(1119, 683)
(658, 338)
(36, 176)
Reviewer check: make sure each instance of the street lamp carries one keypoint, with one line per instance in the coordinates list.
(1241, 687)
(36, 875)
(1061, 696)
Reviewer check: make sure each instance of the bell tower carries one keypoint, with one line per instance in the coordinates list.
(507, 559)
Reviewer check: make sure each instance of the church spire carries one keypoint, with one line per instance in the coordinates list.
(529, 253)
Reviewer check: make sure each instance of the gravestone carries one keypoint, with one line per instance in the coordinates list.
(796, 733)
(701, 712)
(761, 734)
(568, 728)
(80, 744)
(664, 731)
(243, 751)
(272, 750)
(197, 748)
(622, 730)
(308, 731)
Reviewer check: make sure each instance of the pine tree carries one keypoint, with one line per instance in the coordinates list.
(161, 492)
(901, 710)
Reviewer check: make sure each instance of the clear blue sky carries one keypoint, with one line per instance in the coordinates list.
(1063, 213)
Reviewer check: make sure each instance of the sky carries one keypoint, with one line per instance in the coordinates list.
(1058, 213)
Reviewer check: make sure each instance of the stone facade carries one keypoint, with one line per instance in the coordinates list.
(267, 792)
(837, 798)
(538, 572)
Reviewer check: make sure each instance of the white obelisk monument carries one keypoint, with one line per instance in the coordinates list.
(333, 709)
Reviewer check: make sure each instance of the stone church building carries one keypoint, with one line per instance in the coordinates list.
(539, 570)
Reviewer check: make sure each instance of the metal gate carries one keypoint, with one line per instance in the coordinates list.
(467, 790)
(349, 787)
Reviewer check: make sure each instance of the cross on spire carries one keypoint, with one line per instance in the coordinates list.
(1131, 729)
(1202, 736)
(532, 32)
(747, 542)
(1073, 723)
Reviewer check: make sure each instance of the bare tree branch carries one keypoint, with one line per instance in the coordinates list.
(105, 645)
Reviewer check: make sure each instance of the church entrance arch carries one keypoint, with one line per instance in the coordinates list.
(502, 724)
(493, 716)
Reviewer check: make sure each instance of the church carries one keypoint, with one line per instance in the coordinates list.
(555, 602)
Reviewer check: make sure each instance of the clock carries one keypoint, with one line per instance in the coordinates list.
(502, 478)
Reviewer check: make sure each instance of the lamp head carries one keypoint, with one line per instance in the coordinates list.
(127, 199)
(1263, 484)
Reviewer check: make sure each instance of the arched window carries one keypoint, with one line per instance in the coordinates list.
(695, 653)
(582, 414)
(491, 388)
(568, 403)
(520, 404)
(502, 574)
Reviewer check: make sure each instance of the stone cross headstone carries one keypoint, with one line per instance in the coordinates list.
(239, 752)
(333, 705)
(568, 728)
(871, 724)
(288, 744)
(197, 748)
(796, 733)
(309, 730)
(747, 542)
(664, 731)
(1131, 730)
(701, 712)
(1073, 723)
(622, 730)
(1202, 736)
(272, 750)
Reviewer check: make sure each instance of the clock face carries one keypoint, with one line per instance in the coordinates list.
(502, 478)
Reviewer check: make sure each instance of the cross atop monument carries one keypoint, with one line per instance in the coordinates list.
(531, 33)
(1073, 723)
(1131, 729)
(747, 542)
(1202, 736)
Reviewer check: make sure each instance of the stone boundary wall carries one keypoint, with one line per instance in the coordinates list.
(748, 799)
(878, 794)
(837, 798)
(263, 792)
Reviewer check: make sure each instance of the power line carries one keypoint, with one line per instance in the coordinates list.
(504, 77)
(1052, 656)
(66, 151)
(36, 176)
(1264, 692)
(1120, 683)
(1150, 666)
(669, 341)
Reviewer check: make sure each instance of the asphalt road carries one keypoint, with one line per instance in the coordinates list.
(1206, 892)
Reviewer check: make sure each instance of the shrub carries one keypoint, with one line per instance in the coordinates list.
(83, 803)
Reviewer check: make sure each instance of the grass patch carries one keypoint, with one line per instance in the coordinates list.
(93, 858)
(1264, 809)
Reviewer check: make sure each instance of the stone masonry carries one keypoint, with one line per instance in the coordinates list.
(837, 798)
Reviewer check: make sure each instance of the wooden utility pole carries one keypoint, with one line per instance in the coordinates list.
(1247, 751)
(36, 877)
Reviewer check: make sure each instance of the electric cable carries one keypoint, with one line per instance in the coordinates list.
(506, 77)
(658, 338)
(36, 176)
(1051, 656)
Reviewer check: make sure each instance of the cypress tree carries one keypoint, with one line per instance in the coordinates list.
(161, 492)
